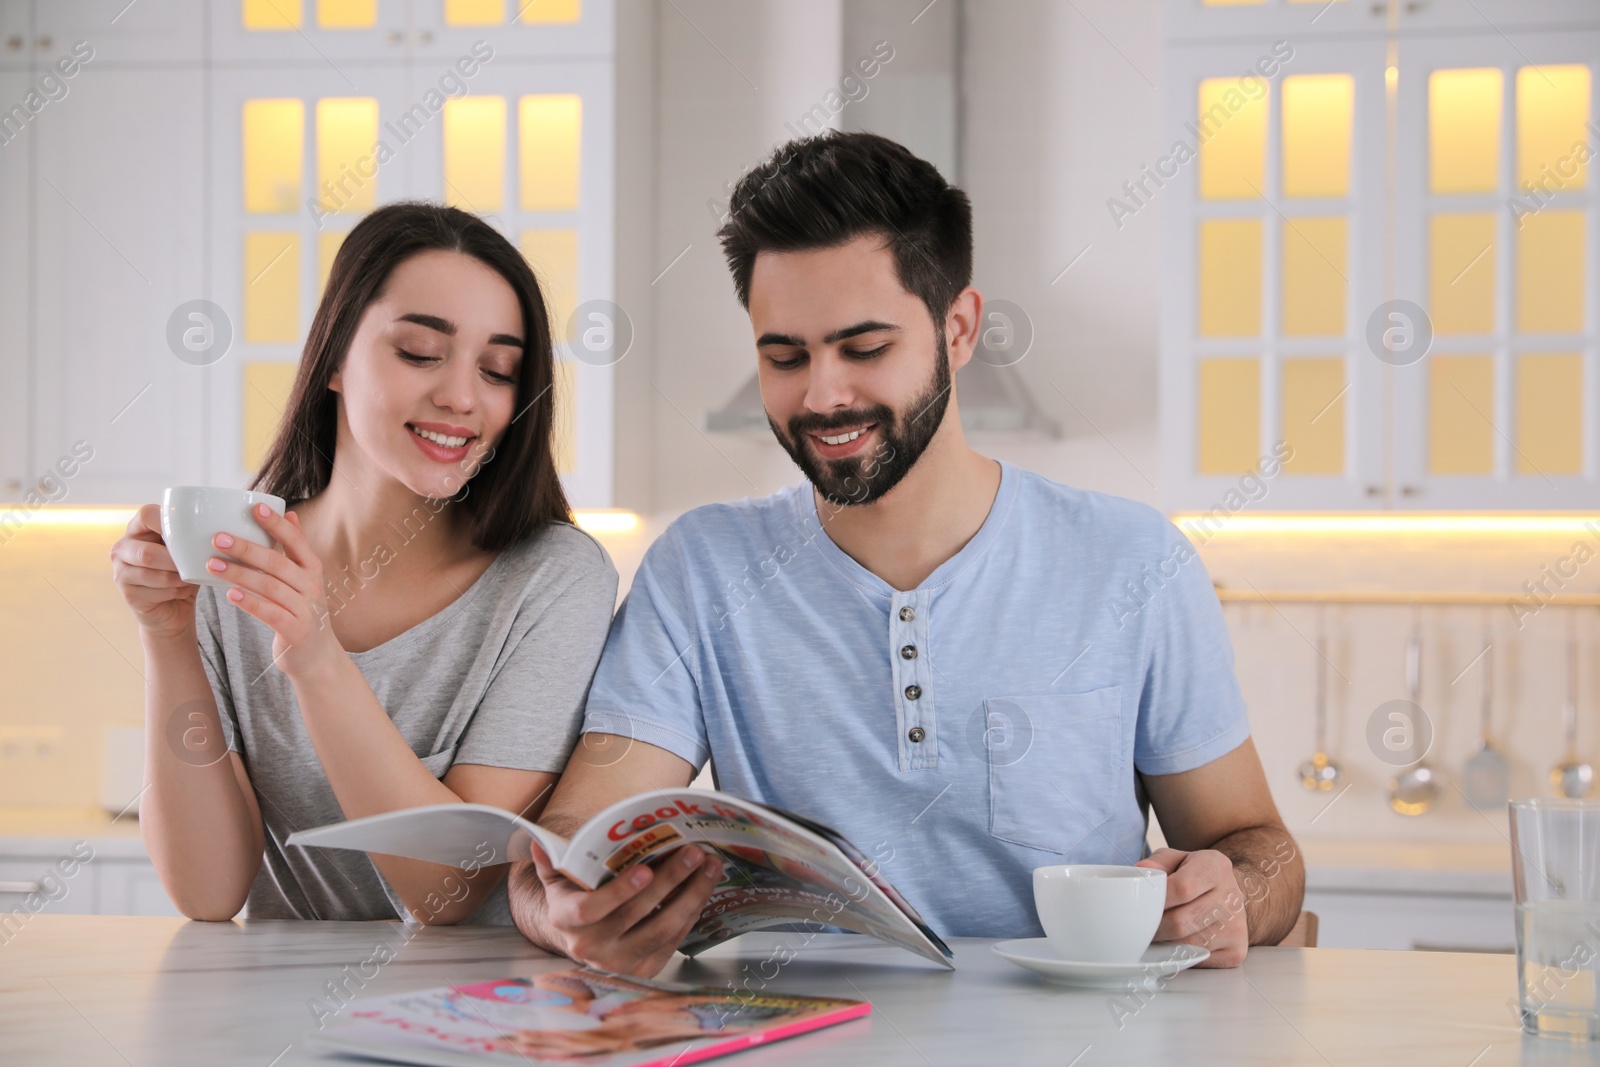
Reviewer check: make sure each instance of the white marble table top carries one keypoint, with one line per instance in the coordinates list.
(81, 990)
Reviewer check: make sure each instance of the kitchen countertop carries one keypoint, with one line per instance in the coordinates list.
(1366, 866)
(165, 993)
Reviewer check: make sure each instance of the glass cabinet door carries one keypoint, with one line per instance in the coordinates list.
(1275, 228)
(16, 148)
(1496, 242)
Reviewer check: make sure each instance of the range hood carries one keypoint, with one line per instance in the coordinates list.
(993, 400)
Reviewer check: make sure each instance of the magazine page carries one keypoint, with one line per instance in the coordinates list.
(778, 870)
(574, 1015)
(462, 835)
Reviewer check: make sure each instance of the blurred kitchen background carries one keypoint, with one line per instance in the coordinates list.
(1318, 279)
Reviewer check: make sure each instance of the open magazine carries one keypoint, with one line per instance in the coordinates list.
(574, 1016)
(781, 868)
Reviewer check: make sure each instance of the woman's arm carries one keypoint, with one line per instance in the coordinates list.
(197, 812)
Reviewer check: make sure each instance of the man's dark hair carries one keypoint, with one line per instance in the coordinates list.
(827, 190)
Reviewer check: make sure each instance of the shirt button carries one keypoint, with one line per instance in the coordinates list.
(908, 652)
(913, 692)
(915, 734)
(906, 614)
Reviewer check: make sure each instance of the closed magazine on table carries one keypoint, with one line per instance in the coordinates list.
(576, 1015)
(781, 868)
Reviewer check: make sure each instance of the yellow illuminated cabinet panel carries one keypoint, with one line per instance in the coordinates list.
(266, 397)
(274, 154)
(271, 14)
(1550, 274)
(1318, 120)
(1460, 407)
(1314, 270)
(1461, 272)
(347, 14)
(1553, 147)
(347, 169)
(1464, 130)
(1313, 414)
(475, 12)
(1233, 139)
(271, 288)
(552, 11)
(328, 243)
(1549, 414)
(1230, 278)
(553, 255)
(550, 135)
(565, 394)
(475, 152)
(1230, 415)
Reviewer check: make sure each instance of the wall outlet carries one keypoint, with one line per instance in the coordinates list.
(29, 744)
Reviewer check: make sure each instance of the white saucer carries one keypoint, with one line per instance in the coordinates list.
(1160, 960)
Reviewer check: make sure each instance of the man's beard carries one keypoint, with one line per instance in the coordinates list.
(906, 434)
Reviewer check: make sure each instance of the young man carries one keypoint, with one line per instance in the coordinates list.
(939, 655)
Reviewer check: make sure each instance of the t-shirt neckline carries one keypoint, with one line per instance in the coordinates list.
(406, 638)
(806, 503)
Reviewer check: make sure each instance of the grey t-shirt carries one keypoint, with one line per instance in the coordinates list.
(498, 677)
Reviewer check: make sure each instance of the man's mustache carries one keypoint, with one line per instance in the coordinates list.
(803, 424)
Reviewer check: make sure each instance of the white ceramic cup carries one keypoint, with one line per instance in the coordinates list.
(1094, 913)
(191, 515)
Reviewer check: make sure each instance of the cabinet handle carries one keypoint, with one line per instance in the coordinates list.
(43, 42)
(425, 36)
(21, 887)
(396, 37)
(1374, 490)
(1410, 490)
(14, 42)
(13, 485)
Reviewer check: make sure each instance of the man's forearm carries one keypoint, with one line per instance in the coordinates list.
(1272, 877)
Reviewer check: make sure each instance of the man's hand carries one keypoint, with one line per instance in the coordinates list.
(1205, 905)
(633, 923)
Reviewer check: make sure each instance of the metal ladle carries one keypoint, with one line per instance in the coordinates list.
(1572, 777)
(1486, 779)
(1319, 773)
(1413, 790)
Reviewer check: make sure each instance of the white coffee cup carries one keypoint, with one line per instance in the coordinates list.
(191, 515)
(1099, 913)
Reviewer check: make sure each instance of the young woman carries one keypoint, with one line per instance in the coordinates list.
(424, 629)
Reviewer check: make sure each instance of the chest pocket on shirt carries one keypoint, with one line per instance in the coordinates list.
(1055, 766)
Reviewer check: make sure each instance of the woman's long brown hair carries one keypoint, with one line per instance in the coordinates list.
(517, 490)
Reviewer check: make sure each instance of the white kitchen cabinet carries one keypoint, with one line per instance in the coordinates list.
(117, 248)
(16, 311)
(311, 34)
(16, 41)
(1503, 411)
(1497, 16)
(131, 887)
(145, 32)
(519, 29)
(1273, 203)
(1210, 20)
(1428, 921)
(34, 885)
(1427, 241)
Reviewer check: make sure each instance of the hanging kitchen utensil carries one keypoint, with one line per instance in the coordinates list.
(1572, 777)
(1320, 773)
(1414, 789)
(1486, 779)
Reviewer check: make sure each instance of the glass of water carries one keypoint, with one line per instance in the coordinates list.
(1555, 864)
